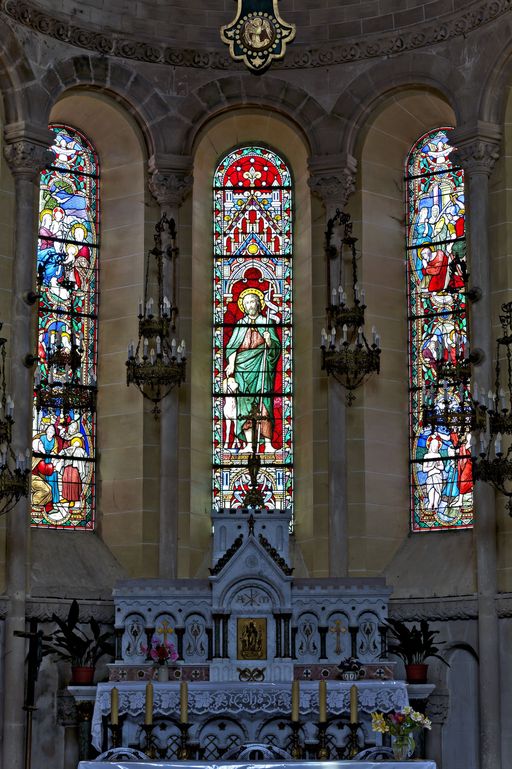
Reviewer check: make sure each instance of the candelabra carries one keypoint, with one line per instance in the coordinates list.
(14, 470)
(346, 353)
(59, 378)
(493, 464)
(157, 364)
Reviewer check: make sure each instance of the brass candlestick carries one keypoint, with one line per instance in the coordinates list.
(352, 746)
(184, 749)
(116, 733)
(322, 752)
(149, 741)
(296, 749)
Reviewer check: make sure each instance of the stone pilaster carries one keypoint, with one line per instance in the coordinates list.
(477, 152)
(333, 180)
(26, 157)
(170, 181)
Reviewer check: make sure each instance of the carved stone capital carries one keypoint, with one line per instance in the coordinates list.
(333, 180)
(437, 707)
(476, 149)
(26, 158)
(170, 179)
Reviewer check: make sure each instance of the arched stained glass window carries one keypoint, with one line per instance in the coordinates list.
(252, 363)
(63, 467)
(441, 473)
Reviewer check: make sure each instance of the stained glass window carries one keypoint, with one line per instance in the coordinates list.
(441, 473)
(63, 466)
(252, 338)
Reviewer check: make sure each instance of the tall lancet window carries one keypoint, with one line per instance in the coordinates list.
(252, 294)
(441, 473)
(63, 467)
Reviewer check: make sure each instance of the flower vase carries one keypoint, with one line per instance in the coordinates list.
(402, 746)
(162, 674)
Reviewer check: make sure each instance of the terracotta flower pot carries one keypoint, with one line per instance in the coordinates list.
(416, 674)
(82, 676)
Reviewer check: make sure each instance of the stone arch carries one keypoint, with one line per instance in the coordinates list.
(377, 85)
(494, 94)
(15, 73)
(124, 85)
(239, 91)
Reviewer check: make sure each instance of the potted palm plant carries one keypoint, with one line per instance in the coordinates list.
(83, 650)
(414, 645)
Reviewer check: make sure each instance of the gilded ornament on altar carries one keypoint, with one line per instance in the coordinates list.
(251, 637)
(258, 34)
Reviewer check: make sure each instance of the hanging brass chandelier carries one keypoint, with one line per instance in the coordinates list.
(492, 449)
(157, 363)
(14, 470)
(346, 353)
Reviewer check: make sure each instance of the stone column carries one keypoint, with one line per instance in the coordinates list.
(477, 151)
(332, 179)
(26, 157)
(170, 181)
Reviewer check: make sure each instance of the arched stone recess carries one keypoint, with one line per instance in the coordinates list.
(493, 100)
(127, 435)
(15, 74)
(244, 91)
(371, 91)
(222, 133)
(378, 443)
(136, 95)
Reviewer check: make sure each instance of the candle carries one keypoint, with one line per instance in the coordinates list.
(295, 700)
(322, 701)
(140, 307)
(353, 704)
(345, 331)
(497, 444)
(158, 346)
(502, 399)
(114, 706)
(184, 702)
(148, 714)
(333, 292)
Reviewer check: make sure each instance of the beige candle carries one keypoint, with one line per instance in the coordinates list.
(295, 700)
(322, 701)
(114, 706)
(184, 702)
(353, 705)
(148, 714)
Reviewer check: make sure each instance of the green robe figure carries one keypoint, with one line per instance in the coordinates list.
(252, 354)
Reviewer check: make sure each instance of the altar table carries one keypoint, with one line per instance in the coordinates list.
(258, 765)
(207, 699)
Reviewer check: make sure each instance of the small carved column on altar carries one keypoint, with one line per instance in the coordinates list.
(84, 697)
(333, 180)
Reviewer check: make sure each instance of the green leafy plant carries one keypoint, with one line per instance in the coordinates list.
(70, 642)
(413, 644)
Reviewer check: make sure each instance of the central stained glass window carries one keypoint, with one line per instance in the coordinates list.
(441, 471)
(252, 317)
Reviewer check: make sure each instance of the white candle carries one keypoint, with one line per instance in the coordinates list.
(362, 295)
(497, 444)
(158, 346)
(140, 307)
(502, 399)
(345, 332)
(374, 334)
(333, 293)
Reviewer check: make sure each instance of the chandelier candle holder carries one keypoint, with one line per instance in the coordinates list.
(493, 462)
(346, 353)
(58, 379)
(157, 363)
(14, 470)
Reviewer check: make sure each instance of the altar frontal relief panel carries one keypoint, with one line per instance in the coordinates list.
(441, 473)
(63, 467)
(252, 363)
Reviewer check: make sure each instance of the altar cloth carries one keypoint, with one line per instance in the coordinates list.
(216, 698)
(257, 765)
